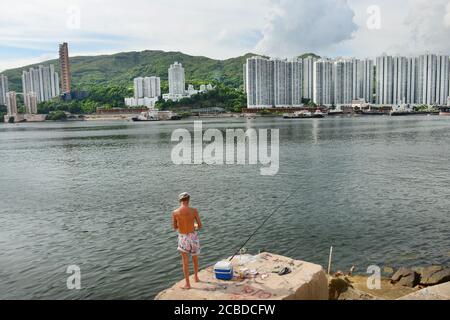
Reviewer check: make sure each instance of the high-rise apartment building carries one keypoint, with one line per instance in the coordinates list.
(411, 80)
(323, 82)
(138, 87)
(427, 72)
(433, 72)
(281, 85)
(273, 82)
(259, 82)
(11, 103)
(244, 75)
(308, 77)
(44, 82)
(30, 100)
(152, 87)
(65, 67)
(343, 81)
(296, 82)
(399, 80)
(368, 79)
(442, 80)
(146, 92)
(384, 80)
(4, 88)
(392, 81)
(358, 81)
(177, 81)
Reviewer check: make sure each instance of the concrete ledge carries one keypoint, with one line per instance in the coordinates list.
(306, 281)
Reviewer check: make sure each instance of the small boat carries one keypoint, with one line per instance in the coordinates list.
(318, 114)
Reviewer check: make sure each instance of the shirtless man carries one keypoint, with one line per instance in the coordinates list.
(187, 221)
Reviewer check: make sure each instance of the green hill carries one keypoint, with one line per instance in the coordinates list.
(120, 69)
(306, 55)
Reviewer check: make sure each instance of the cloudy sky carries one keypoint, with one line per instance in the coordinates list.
(31, 30)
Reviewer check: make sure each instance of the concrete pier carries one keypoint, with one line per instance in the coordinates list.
(26, 117)
(257, 278)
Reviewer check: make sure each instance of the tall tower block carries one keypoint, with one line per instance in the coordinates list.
(65, 67)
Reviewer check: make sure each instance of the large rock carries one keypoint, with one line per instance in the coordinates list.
(406, 277)
(439, 292)
(434, 275)
(306, 281)
(354, 294)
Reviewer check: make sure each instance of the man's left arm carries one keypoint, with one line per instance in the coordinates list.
(174, 221)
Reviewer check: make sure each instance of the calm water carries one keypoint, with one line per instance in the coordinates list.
(99, 195)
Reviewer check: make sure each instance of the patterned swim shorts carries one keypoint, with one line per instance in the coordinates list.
(189, 243)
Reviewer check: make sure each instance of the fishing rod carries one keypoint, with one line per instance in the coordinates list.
(264, 222)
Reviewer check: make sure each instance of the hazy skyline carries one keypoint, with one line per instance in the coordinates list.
(30, 32)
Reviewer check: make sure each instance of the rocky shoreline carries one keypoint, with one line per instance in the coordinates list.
(403, 283)
(260, 277)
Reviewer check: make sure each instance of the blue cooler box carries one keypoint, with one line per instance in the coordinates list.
(223, 270)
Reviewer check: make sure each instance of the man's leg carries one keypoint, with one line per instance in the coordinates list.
(195, 260)
(185, 258)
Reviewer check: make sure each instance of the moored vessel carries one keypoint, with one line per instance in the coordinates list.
(146, 116)
(335, 112)
(444, 111)
(318, 114)
(304, 114)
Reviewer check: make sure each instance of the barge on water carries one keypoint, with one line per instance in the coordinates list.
(154, 115)
(419, 113)
(303, 114)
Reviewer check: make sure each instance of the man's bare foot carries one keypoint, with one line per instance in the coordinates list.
(186, 287)
(197, 279)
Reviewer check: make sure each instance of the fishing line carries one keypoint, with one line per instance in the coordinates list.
(264, 222)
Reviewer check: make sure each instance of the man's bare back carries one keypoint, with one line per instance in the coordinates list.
(184, 220)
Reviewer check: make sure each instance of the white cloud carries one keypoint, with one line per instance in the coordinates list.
(222, 29)
(190, 26)
(370, 41)
(447, 16)
(428, 27)
(298, 26)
